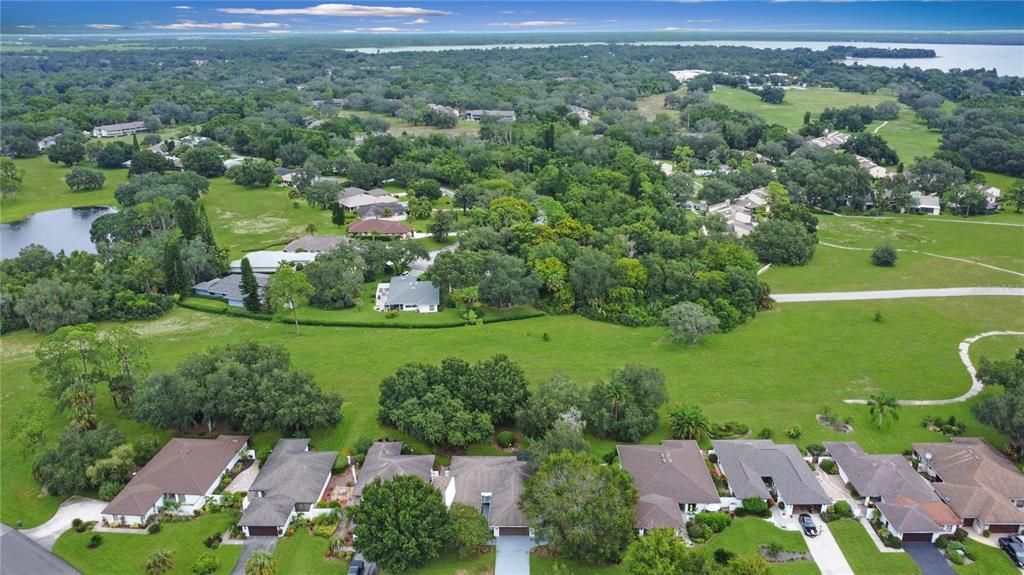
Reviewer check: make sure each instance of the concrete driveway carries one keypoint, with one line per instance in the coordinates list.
(826, 551)
(252, 545)
(81, 507)
(512, 554)
(928, 558)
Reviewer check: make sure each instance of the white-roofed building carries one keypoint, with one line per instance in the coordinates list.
(267, 262)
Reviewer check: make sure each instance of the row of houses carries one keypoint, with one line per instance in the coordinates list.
(739, 214)
(115, 130)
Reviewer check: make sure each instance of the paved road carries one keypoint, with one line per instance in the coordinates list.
(81, 507)
(928, 558)
(252, 545)
(826, 551)
(512, 555)
(897, 294)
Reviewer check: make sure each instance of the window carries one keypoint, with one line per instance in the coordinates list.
(302, 507)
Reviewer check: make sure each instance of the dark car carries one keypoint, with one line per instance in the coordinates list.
(807, 524)
(1014, 547)
(356, 567)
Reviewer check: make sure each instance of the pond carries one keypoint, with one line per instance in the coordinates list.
(65, 229)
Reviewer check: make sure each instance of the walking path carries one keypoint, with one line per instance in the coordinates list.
(81, 507)
(955, 259)
(897, 294)
(880, 126)
(929, 219)
(826, 552)
(965, 358)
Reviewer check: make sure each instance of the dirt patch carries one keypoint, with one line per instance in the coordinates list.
(785, 556)
(834, 424)
(261, 225)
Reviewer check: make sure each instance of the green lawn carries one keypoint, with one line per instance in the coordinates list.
(450, 564)
(746, 535)
(544, 565)
(43, 189)
(863, 555)
(125, 553)
(305, 553)
(908, 135)
(987, 561)
(776, 371)
(790, 113)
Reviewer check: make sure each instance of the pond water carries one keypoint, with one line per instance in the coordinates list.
(65, 229)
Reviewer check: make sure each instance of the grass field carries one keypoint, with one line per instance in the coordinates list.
(43, 189)
(863, 555)
(305, 553)
(450, 564)
(125, 553)
(746, 535)
(987, 561)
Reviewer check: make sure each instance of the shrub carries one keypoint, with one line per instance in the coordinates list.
(766, 433)
(794, 432)
(829, 517)
(884, 256)
(842, 509)
(715, 520)
(698, 533)
(153, 528)
(942, 542)
(756, 506)
(206, 564)
(505, 439)
(774, 548)
(213, 541)
(363, 445)
(828, 466)
(76, 523)
(326, 519)
(325, 531)
(728, 430)
(960, 535)
(986, 533)
(713, 457)
(816, 449)
(95, 541)
(723, 556)
(955, 558)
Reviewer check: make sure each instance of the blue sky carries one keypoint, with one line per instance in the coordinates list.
(291, 16)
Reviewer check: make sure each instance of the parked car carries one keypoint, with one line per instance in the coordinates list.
(807, 524)
(1014, 547)
(356, 567)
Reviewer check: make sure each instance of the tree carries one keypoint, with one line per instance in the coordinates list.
(336, 277)
(205, 161)
(507, 282)
(49, 304)
(1008, 373)
(772, 95)
(1004, 412)
(443, 224)
(582, 508)
(661, 551)
(420, 208)
(62, 470)
(400, 524)
(10, 177)
(29, 428)
(1017, 193)
(872, 146)
(288, 289)
(565, 435)
(148, 161)
(782, 242)
(322, 195)
(470, 530)
(934, 176)
(252, 173)
(261, 563)
(69, 149)
(749, 565)
(113, 155)
(441, 419)
(883, 406)
(250, 288)
(426, 188)
(688, 322)
(884, 256)
(689, 422)
(116, 468)
(160, 561)
(176, 280)
(626, 406)
(541, 411)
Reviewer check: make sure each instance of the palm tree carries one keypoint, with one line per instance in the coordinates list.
(160, 561)
(261, 563)
(884, 406)
(689, 422)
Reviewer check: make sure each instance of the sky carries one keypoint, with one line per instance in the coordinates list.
(397, 17)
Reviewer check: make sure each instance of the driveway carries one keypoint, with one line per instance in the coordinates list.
(896, 294)
(243, 480)
(826, 551)
(512, 555)
(81, 507)
(252, 545)
(420, 266)
(928, 558)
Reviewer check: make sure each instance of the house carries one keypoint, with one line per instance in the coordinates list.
(981, 486)
(290, 483)
(479, 115)
(350, 191)
(739, 214)
(385, 460)
(925, 204)
(229, 288)
(582, 113)
(315, 244)
(905, 501)
(405, 293)
(267, 262)
(673, 483)
(23, 556)
(46, 142)
(992, 195)
(179, 478)
(357, 201)
(443, 109)
(831, 140)
(114, 130)
(285, 174)
(490, 484)
(394, 211)
(760, 468)
(380, 227)
(873, 169)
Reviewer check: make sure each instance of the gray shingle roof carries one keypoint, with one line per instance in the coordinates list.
(406, 290)
(230, 286)
(501, 476)
(23, 556)
(385, 460)
(315, 243)
(667, 475)
(381, 210)
(746, 462)
(886, 476)
(291, 475)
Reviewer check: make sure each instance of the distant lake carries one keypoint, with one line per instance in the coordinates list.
(1007, 60)
(65, 229)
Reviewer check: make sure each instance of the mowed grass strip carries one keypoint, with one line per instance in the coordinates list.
(306, 554)
(863, 555)
(43, 189)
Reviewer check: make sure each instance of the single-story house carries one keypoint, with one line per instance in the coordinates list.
(23, 556)
(380, 227)
(285, 174)
(873, 169)
(405, 293)
(739, 214)
(181, 476)
(114, 130)
(905, 501)
(831, 140)
(443, 109)
(384, 211)
(490, 484)
(267, 262)
(229, 288)
(925, 204)
(385, 460)
(291, 482)
(978, 483)
(359, 200)
(673, 482)
(350, 191)
(766, 470)
(46, 142)
(580, 112)
(500, 115)
(315, 244)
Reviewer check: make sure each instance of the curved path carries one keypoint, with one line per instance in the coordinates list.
(75, 507)
(897, 294)
(962, 260)
(965, 357)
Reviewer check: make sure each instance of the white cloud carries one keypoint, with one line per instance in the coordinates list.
(507, 12)
(26, 27)
(704, 21)
(104, 26)
(534, 23)
(419, 21)
(340, 10)
(183, 7)
(190, 25)
(280, 31)
(669, 29)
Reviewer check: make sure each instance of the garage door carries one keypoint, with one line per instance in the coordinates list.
(917, 536)
(1003, 528)
(514, 531)
(256, 531)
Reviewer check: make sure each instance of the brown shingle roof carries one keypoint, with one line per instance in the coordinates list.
(501, 476)
(666, 476)
(385, 460)
(886, 476)
(188, 466)
(385, 227)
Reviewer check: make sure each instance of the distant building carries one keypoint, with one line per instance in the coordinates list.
(380, 227)
(923, 204)
(114, 130)
(443, 109)
(267, 262)
(315, 244)
(390, 211)
(490, 484)
(873, 169)
(229, 288)
(739, 214)
(831, 140)
(406, 293)
(46, 142)
(500, 115)
(354, 202)
(285, 174)
(582, 113)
